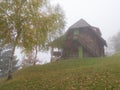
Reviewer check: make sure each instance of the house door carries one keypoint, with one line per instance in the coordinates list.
(80, 51)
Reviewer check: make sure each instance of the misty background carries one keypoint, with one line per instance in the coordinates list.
(104, 14)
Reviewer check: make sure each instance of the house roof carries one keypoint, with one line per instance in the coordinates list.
(79, 24)
(83, 24)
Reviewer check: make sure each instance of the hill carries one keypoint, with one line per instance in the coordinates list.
(85, 74)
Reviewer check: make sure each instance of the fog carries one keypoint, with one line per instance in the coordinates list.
(104, 14)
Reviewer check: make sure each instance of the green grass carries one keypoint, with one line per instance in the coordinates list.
(85, 74)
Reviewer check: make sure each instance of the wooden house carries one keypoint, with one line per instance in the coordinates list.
(80, 40)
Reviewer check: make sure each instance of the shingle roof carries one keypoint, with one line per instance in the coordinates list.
(79, 24)
(82, 23)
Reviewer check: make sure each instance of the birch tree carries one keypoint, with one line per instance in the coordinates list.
(27, 24)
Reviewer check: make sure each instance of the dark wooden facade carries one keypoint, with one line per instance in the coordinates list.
(81, 40)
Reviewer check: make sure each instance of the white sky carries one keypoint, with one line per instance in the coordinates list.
(104, 14)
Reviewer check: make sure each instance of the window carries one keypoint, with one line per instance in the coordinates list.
(75, 34)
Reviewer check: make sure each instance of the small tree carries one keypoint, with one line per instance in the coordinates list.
(110, 48)
(116, 42)
(29, 60)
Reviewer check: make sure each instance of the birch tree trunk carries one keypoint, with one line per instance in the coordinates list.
(35, 59)
(11, 64)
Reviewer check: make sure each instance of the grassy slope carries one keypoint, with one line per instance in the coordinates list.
(86, 74)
